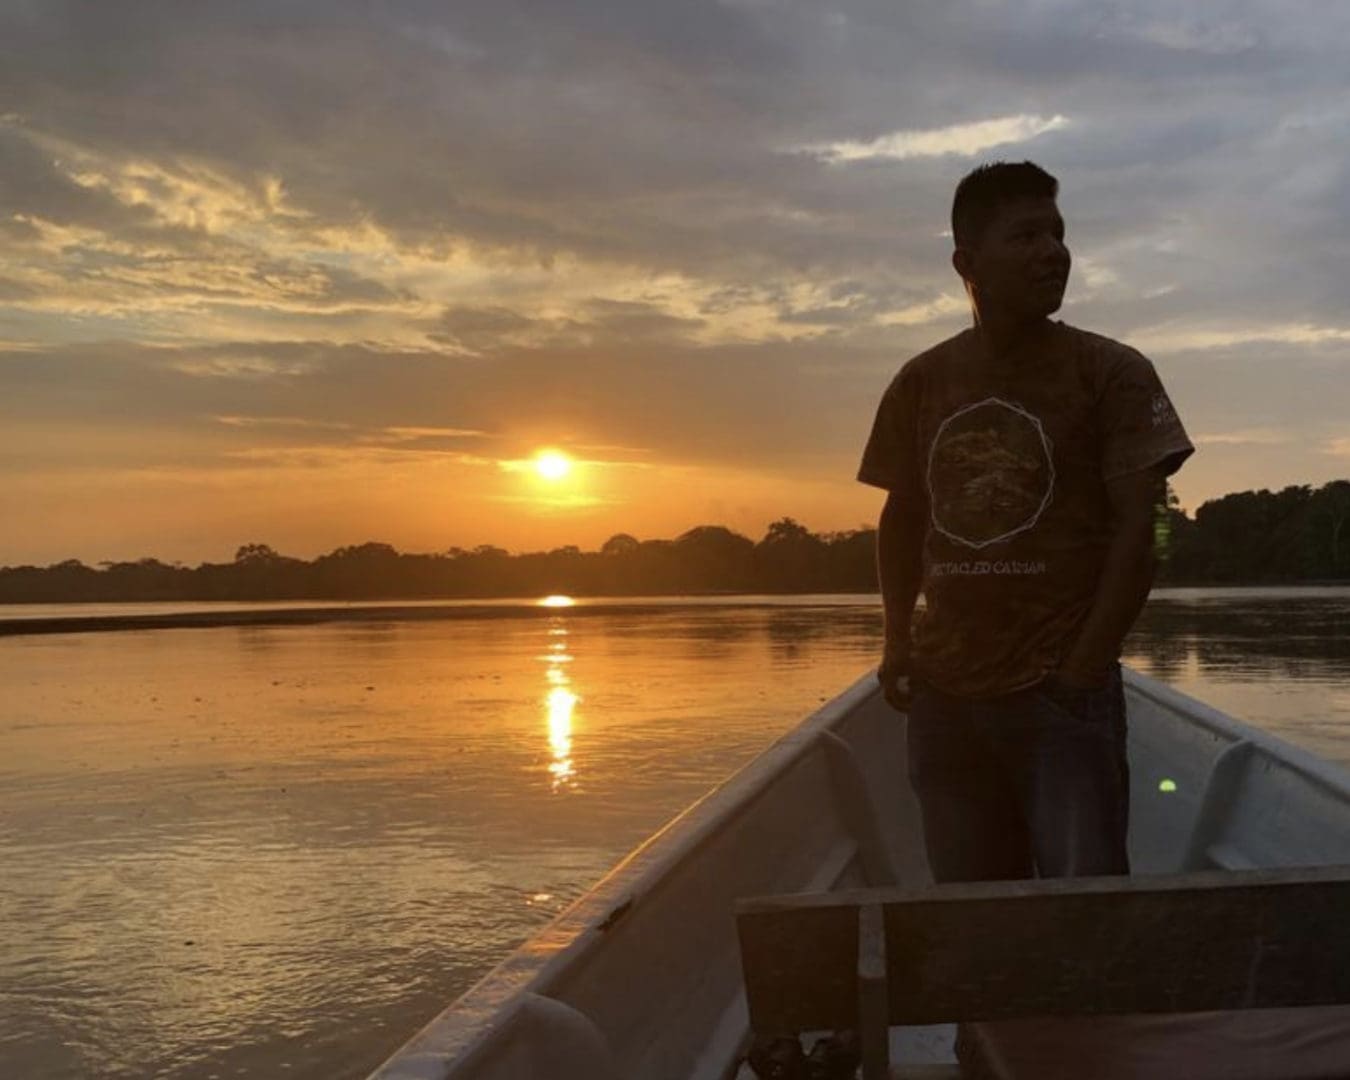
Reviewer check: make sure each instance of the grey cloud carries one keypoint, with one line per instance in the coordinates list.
(598, 321)
(627, 131)
(323, 285)
(730, 297)
(819, 316)
(478, 328)
(539, 142)
(627, 321)
(15, 290)
(32, 186)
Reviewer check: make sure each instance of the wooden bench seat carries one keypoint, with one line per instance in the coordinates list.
(1257, 1044)
(1005, 952)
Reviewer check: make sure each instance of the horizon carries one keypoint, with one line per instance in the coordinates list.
(325, 271)
(458, 549)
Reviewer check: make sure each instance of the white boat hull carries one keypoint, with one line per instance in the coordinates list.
(641, 977)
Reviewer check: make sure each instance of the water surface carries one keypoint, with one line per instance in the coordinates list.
(280, 850)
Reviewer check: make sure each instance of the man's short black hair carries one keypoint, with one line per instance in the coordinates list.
(984, 190)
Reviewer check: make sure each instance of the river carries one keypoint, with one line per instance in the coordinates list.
(255, 849)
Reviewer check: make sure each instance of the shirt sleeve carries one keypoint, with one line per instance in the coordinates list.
(1140, 427)
(890, 460)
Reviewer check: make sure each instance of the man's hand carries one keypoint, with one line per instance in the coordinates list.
(893, 674)
(1126, 577)
(900, 532)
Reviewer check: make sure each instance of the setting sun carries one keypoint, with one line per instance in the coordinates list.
(552, 464)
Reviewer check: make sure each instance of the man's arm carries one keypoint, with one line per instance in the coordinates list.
(1127, 576)
(900, 534)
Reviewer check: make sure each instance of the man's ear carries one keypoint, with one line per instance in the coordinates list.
(962, 263)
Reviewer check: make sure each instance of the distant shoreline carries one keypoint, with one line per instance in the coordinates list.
(316, 612)
(377, 612)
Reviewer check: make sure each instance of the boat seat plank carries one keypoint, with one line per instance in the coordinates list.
(1255, 939)
(1255, 1044)
(873, 997)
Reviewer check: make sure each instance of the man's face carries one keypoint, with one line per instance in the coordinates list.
(1020, 266)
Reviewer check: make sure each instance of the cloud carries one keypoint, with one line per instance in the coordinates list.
(412, 434)
(586, 321)
(245, 367)
(278, 422)
(1183, 338)
(341, 458)
(562, 501)
(962, 140)
(947, 304)
(473, 328)
(1212, 36)
(1243, 437)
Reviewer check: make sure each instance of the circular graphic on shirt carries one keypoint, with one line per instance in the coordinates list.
(990, 473)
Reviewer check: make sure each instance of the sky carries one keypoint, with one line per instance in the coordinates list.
(311, 274)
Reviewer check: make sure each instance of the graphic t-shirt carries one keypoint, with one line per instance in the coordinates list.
(1007, 459)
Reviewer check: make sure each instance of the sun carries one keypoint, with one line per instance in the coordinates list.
(552, 464)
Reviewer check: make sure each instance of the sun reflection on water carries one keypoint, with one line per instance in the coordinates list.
(560, 702)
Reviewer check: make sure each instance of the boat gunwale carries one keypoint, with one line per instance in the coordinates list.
(469, 1025)
(1325, 774)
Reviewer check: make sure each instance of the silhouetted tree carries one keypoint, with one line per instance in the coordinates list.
(1331, 513)
(619, 544)
(790, 558)
(850, 560)
(714, 557)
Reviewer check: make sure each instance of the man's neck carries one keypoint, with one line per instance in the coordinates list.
(1002, 335)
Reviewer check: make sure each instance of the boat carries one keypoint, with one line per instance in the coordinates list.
(642, 977)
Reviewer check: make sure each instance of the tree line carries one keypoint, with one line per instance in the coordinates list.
(1297, 534)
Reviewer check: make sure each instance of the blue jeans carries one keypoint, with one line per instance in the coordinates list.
(1033, 783)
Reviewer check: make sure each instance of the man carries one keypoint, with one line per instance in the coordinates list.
(1022, 461)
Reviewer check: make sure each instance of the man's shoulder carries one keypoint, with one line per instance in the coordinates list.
(1099, 350)
(935, 358)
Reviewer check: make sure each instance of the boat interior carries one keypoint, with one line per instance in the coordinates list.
(644, 978)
